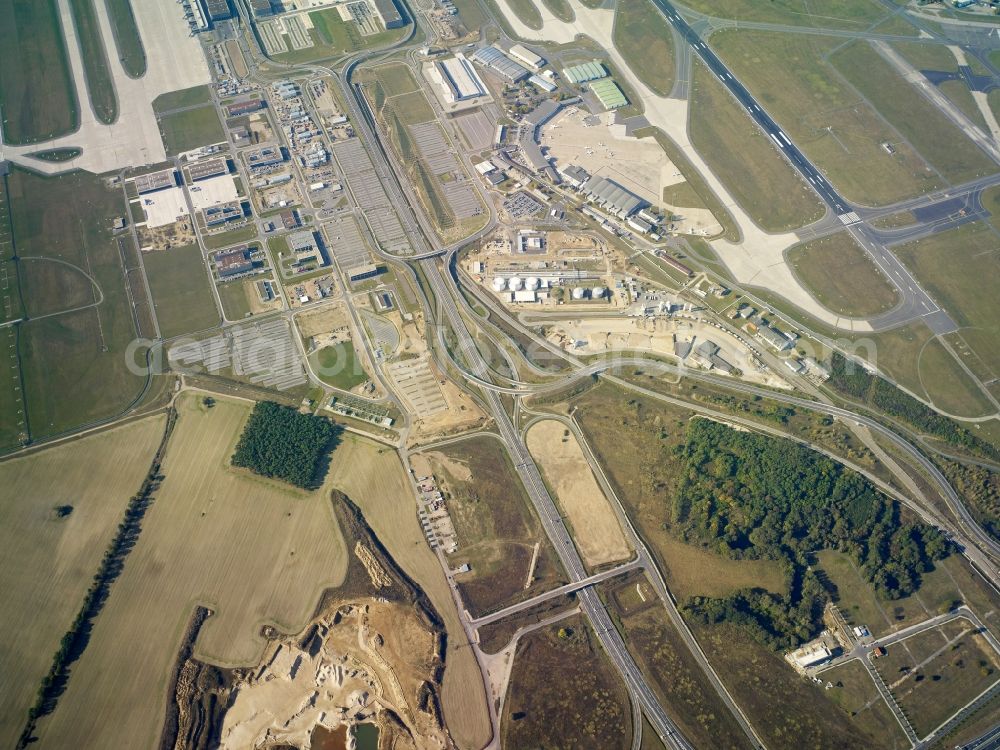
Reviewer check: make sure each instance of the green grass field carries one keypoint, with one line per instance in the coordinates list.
(784, 709)
(860, 605)
(51, 287)
(842, 276)
(527, 11)
(990, 199)
(949, 386)
(855, 692)
(560, 9)
(682, 688)
(923, 125)
(58, 154)
(334, 37)
(836, 14)
(412, 108)
(897, 25)
(587, 706)
(37, 96)
(95, 61)
(183, 131)
(933, 674)
(396, 79)
(642, 35)
(746, 160)
(957, 267)
(181, 293)
(127, 40)
(182, 98)
(827, 118)
(470, 14)
(12, 421)
(224, 239)
(74, 365)
(959, 93)
(233, 295)
(339, 366)
(682, 195)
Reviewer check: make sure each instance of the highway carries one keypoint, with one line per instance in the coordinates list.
(418, 229)
(447, 312)
(563, 590)
(980, 547)
(916, 303)
(988, 741)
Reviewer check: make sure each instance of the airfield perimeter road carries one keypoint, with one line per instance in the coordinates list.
(916, 302)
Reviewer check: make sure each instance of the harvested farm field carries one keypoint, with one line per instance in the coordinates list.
(595, 526)
(58, 512)
(253, 551)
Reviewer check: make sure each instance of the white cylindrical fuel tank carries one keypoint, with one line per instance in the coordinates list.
(499, 284)
(514, 283)
(578, 293)
(597, 292)
(531, 283)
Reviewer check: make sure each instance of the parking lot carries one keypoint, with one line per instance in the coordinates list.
(346, 243)
(369, 194)
(263, 353)
(416, 382)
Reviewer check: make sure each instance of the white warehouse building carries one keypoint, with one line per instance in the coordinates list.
(459, 80)
(522, 54)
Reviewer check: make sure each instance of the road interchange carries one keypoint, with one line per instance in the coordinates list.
(443, 286)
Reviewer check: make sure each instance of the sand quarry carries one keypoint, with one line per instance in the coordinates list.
(350, 663)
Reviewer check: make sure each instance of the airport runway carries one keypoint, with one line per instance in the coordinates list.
(915, 302)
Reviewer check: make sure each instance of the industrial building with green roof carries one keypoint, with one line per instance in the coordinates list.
(584, 72)
(610, 96)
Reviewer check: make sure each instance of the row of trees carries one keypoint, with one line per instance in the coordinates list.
(281, 443)
(76, 639)
(750, 496)
(854, 381)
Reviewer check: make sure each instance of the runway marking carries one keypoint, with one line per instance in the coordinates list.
(849, 218)
(784, 137)
(776, 140)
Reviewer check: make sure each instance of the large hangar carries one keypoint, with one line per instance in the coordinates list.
(610, 195)
(460, 80)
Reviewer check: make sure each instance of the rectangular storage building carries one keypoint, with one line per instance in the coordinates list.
(498, 62)
(523, 54)
(608, 93)
(584, 72)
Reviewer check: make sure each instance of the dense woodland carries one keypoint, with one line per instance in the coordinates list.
(750, 496)
(281, 443)
(856, 382)
(980, 487)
